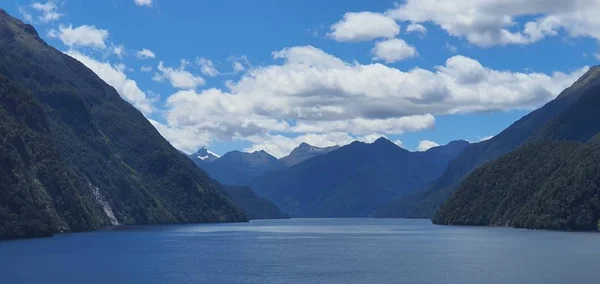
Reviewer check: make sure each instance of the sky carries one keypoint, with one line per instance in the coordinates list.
(270, 74)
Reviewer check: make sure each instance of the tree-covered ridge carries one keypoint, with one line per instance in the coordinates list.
(550, 185)
(568, 117)
(76, 156)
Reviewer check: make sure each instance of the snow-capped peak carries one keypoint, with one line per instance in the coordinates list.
(206, 155)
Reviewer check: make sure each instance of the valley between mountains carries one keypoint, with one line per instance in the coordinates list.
(75, 156)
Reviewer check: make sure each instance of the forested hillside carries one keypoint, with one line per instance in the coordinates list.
(75, 156)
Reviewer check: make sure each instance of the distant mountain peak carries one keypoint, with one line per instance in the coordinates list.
(381, 141)
(303, 152)
(205, 155)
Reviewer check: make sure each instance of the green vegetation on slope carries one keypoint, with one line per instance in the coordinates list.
(75, 156)
(550, 185)
(568, 117)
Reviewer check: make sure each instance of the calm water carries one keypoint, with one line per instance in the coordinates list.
(305, 251)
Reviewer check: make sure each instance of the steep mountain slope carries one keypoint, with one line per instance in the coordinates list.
(304, 152)
(239, 168)
(354, 180)
(548, 185)
(253, 205)
(75, 156)
(544, 184)
(425, 202)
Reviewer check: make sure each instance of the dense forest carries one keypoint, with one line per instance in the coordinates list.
(568, 117)
(549, 185)
(75, 156)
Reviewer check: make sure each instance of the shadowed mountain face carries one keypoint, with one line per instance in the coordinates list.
(239, 168)
(544, 184)
(546, 123)
(253, 205)
(303, 153)
(353, 180)
(75, 156)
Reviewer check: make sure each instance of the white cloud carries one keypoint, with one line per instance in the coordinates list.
(239, 63)
(87, 36)
(146, 69)
(186, 139)
(114, 76)
(393, 50)
(119, 50)
(49, 11)
(425, 145)
(496, 22)
(452, 48)
(147, 3)
(312, 92)
(145, 54)
(486, 138)
(364, 26)
(178, 77)
(27, 17)
(416, 28)
(207, 67)
(121, 67)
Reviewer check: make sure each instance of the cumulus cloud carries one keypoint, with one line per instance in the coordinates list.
(393, 50)
(27, 17)
(145, 54)
(207, 67)
(364, 26)
(49, 11)
(416, 28)
(85, 36)
(239, 63)
(119, 50)
(147, 3)
(146, 69)
(186, 139)
(496, 22)
(179, 77)
(114, 76)
(425, 145)
(312, 92)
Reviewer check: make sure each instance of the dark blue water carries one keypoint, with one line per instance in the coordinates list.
(305, 251)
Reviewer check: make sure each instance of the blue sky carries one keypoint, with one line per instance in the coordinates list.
(270, 74)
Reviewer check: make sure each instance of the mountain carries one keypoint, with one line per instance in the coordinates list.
(549, 185)
(353, 180)
(239, 168)
(305, 152)
(253, 205)
(203, 155)
(425, 202)
(74, 156)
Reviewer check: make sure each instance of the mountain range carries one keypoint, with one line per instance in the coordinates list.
(74, 156)
(537, 125)
(240, 168)
(354, 180)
